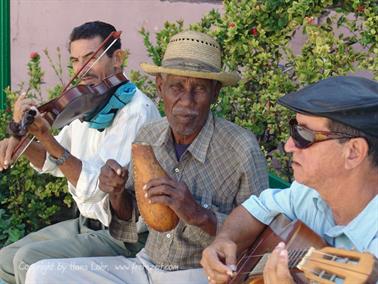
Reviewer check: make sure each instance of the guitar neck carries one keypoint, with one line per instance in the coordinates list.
(297, 236)
(309, 257)
(333, 265)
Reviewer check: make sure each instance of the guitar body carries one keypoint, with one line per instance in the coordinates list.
(297, 237)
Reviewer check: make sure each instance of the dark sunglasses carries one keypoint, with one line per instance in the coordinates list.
(304, 137)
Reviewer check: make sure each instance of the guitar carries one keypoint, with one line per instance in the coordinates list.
(310, 260)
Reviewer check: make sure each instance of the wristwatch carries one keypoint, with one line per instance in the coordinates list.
(60, 161)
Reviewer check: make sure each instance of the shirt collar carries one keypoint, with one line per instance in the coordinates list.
(199, 147)
(362, 229)
(165, 135)
(201, 143)
(319, 203)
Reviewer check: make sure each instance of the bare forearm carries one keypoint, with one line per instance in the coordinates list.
(241, 228)
(71, 168)
(36, 154)
(121, 205)
(206, 220)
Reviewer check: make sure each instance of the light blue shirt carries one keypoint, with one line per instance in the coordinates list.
(303, 203)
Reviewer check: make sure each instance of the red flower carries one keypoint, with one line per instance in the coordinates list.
(34, 55)
(231, 25)
(360, 9)
(310, 20)
(253, 32)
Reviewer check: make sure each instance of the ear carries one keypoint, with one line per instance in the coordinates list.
(159, 85)
(216, 90)
(119, 57)
(356, 152)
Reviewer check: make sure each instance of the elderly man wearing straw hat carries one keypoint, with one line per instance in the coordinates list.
(212, 166)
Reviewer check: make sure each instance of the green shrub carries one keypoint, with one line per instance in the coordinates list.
(256, 37)
(28, 200)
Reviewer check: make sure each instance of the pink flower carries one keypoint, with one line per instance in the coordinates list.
(310, 20)
(253, 32)
(34, 55)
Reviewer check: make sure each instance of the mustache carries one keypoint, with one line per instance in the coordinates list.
(184, 112)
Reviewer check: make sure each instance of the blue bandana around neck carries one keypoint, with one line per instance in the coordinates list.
(120, 98)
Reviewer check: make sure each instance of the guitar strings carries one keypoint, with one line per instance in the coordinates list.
(258, 244)
(261, 255)
(294, 258)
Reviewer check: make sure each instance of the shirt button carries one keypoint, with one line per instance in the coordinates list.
(168, 236)
(177, 170)
(205, 206)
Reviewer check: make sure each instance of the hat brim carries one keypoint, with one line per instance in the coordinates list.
(226, 78)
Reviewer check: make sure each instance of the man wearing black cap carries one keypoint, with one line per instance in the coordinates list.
(334, 146)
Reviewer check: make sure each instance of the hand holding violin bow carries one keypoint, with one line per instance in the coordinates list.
(73, 103)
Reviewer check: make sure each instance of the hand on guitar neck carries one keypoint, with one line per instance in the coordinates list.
(276, 270)
(305, 258)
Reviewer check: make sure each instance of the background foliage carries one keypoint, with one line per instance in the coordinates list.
(30, 200)
(256, 37)
(341, 37)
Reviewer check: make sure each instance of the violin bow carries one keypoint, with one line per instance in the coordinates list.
(115, 35)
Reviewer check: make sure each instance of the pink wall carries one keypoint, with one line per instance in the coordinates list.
(40, 24)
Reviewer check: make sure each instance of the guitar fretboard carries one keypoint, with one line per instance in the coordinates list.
(295, 256)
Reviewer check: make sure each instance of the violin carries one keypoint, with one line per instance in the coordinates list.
(79, 102)
(82, 101)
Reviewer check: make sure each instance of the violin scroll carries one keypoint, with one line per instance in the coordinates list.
(21, 129)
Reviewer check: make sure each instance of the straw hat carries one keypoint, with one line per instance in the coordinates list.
(193, 54)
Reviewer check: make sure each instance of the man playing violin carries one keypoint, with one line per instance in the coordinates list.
(334, 146)
(78, 152)
(212, 166)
